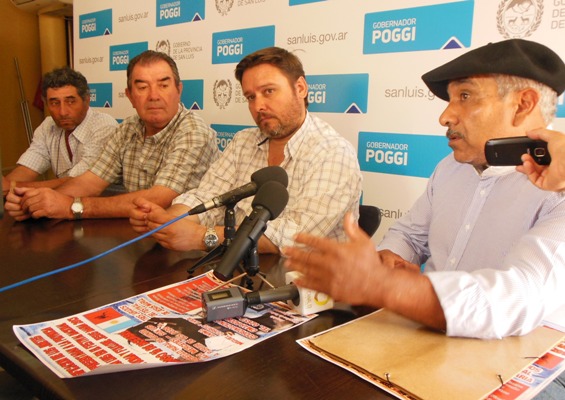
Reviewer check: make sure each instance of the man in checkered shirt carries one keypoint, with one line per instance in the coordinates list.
(69, 140)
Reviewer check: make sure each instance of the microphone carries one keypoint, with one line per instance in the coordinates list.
(232, 302)
(270, 200)
(302, 300)
(282, 293)
(258, 179)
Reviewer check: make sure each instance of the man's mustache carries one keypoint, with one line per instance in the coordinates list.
(451, 134)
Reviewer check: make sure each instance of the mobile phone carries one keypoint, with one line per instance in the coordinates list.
(508, 151)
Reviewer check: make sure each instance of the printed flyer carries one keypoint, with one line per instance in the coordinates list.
(157, 328)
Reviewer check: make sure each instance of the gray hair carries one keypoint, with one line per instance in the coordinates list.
(548, 97)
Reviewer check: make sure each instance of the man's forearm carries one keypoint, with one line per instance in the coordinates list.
(50, 183)
(411, 294)
(107, 207)
(119, 206)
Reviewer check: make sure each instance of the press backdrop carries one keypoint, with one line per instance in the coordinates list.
(363, 60)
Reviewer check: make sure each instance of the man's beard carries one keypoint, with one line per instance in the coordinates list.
(279, 131)
(273, 133)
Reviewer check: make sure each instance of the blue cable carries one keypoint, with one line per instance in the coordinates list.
(68, 267)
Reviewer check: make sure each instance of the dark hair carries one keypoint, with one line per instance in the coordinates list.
(284, 60)
(65, 76)
(149, 57)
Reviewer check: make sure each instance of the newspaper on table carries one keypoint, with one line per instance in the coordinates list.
(161, 327)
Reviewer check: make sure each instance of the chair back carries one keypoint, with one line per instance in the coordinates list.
(369, 218)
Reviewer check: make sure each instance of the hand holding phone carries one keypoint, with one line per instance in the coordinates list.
(509, 151)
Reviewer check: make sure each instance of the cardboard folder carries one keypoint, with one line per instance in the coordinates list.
(421, 363)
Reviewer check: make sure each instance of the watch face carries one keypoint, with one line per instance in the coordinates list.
(77, 208)
(210, 239)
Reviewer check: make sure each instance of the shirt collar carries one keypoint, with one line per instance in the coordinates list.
(497, 171)
(296, 140)
(81, 133)
(171, 125)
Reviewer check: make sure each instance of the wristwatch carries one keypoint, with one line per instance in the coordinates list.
(210, 238)
(77, 208)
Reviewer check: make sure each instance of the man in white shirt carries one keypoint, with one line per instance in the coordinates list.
(69, 140)
(492, 243)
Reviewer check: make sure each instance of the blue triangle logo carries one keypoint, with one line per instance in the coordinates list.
(353, 109)
(452, 43)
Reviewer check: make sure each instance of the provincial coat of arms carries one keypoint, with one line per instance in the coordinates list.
(518, 18)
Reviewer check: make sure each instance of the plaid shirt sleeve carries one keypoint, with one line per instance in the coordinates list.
(190, 151)
(38, 155)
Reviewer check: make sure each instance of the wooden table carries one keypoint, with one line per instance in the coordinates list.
(275, 369)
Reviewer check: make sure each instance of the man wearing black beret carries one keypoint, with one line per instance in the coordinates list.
(492, 243)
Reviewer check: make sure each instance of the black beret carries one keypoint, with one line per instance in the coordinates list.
(510, 57)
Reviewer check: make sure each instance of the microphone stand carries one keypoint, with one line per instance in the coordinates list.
(250, 264)
(229, 234)
(251, 267)
(250, 261)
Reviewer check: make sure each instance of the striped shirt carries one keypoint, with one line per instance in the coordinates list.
(177, 157)
(324, 181)
(49, 150)
(493, 245)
